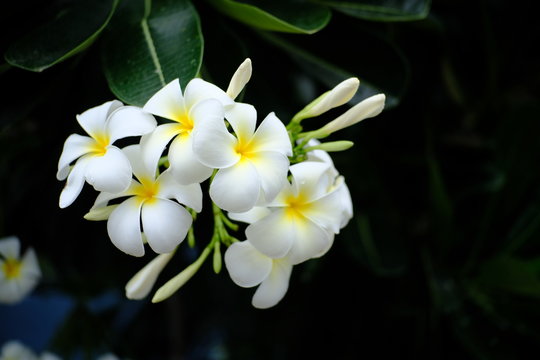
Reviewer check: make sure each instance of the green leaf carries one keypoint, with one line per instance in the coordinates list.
(151, 44)
(385, 10)
(73, 30)
(517, 276)
(295, 16)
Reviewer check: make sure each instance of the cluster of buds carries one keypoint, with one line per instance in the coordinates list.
(277, 179)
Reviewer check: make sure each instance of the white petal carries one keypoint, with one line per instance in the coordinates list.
(307, 176)
(189, 195)
(129, 121)
(124, 228)
(239, 79)
(243, 119)
(30, 266)
(213, 145)
(165, 224)
(110, 172)
(139, 168)
(207, 110)
(327, 211)
(104, 197)
(10, 247)
(310, 240)
(74, 147)
(153, 144)
(272, 168)
(247, 266)
(74, 183)
(272, 136)
(10, 291)
(236, 188)
(346, 201)
(142, 282)
(167, 102)
(185, 167)
(250, 216)
(199, 90)
(93, 120)
(273, 235)
(274, 287)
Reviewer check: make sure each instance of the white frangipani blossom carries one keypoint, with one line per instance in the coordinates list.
(186, 110)
(18, 276)
(302, 220)
(100, 163)
(252, 163)
(165, 222)
(141, 284)
(248, 267)
(239, 79)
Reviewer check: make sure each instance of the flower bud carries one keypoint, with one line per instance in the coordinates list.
(140, 285)
(332, 146)
(338, 96)
(239, 79)
(100, 213)
(367, 108)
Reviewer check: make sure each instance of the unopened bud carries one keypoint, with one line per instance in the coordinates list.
(99, 214)
(239, 79)
(332, 146)
(140, 285)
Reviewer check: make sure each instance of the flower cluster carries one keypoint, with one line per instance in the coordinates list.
(276, 178)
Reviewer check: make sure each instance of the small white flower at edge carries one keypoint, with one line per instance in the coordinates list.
(14, 350)
(301, 221)
(165, 222)
(248, 267)
(18, 277)
(252, 165)
(100, 163)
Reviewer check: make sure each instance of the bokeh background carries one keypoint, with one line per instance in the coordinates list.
(442, 257)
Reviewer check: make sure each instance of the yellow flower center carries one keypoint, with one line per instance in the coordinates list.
(101, 141)
(296, 205)
(245, 149)
(12, 268)
(185, 123)
(147, 190)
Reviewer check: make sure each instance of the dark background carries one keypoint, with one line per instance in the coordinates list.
(442, 258)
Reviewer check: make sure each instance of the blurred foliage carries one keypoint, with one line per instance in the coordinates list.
(442, 259)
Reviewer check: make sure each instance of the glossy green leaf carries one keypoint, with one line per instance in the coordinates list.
(385, 10)
(72, 31)
(151, 44)
(295, 16)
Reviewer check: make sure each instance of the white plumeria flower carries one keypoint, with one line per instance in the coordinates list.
(18, 277)
(248, 267)
(141, 284)
(100, 163)
(165, 223)
(14, 350)
(186, 110)
(301, 221)
(252, 165)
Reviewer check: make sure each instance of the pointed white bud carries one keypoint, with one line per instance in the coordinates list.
(239, 79)
(100, 213)
(140, 285)
(338, 96)
(367, 108)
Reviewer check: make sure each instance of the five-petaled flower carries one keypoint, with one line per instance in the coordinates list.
(252, 165)
(165, 222)
(100, 163)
